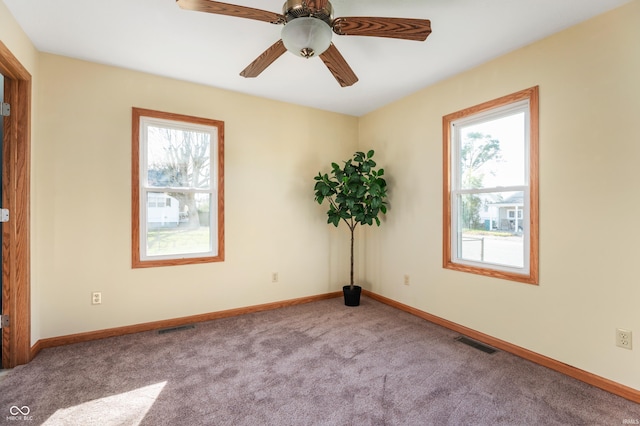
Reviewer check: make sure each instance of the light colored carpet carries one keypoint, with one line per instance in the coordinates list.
(316, 364)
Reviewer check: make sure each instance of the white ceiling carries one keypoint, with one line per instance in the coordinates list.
(158, 37)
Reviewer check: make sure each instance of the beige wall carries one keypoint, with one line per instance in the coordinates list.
(17, 41)
(82, 230)
(589, 205)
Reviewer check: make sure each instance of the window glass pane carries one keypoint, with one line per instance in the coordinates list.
(492, 153)
(178, 158)
(491, 228)
(184, 227)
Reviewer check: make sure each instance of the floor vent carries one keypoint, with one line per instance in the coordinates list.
(180, 328)
(475, 344)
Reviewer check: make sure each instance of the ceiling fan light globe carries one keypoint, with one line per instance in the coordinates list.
(306, 36)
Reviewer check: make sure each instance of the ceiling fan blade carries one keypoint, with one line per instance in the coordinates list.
(336, 63)
(264, 60)
(231, 10)
(407, 29)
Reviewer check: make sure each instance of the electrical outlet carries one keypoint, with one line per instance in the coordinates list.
(407, 279)
(623, 338)
(96, 298)
(274, 277)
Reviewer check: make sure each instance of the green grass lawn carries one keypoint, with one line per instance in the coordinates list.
(180, 240)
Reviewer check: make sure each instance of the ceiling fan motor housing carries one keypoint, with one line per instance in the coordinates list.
(293, 9)
(307, 30)
(306, 36)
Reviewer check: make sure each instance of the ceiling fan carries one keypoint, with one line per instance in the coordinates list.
(307, 32)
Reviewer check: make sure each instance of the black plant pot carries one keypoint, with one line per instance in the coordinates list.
(351, 295)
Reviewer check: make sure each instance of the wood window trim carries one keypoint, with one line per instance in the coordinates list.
(136, 262)
(532, 94)
(16, 263)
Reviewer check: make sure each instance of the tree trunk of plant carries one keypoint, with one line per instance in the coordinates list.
(351, 276)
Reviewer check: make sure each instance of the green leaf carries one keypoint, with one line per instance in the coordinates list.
(350, 203)
(370, 153)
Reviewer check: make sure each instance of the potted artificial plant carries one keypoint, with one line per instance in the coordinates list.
(356, 194)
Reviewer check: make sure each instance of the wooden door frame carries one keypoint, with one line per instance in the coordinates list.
(16, 264)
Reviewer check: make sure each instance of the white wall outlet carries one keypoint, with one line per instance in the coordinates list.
(274, 277)
(623, 338)
(407, 279)
(96, 298)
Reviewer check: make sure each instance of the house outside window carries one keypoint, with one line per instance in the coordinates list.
(491, 188)
(177, 189)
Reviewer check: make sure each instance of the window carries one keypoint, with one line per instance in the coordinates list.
(177, 189)
(491, 188)
(512, 214)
